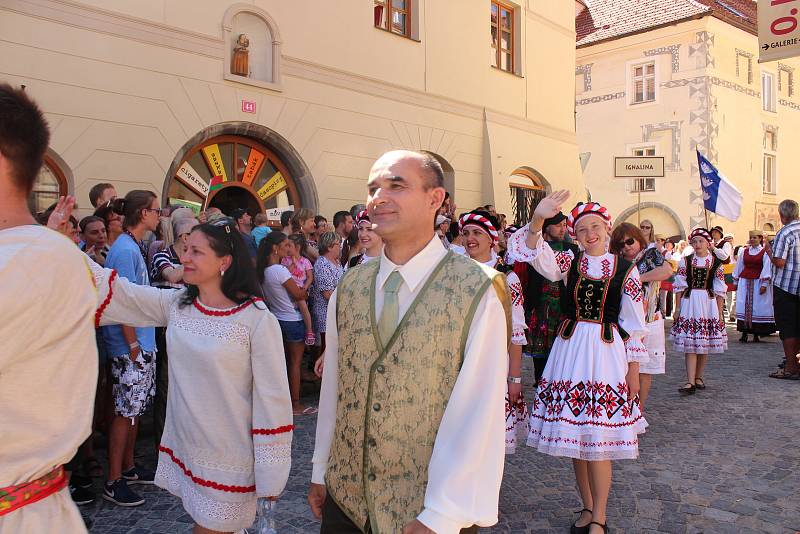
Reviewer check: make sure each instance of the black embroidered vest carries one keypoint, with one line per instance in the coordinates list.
(594, 301)
(532, 290)
(700, 277)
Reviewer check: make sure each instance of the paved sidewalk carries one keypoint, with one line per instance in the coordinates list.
(722, 461)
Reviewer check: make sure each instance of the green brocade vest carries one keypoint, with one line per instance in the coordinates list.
(391, 399)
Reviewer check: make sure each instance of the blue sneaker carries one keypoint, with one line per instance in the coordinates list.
(119, 493)
(138, 475)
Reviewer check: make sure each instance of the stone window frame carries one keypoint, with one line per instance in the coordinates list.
(749, 57)
(227, 37)
(782, 67)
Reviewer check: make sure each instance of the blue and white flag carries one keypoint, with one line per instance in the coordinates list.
(719, 195)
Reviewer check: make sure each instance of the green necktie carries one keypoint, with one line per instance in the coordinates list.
(391, 307)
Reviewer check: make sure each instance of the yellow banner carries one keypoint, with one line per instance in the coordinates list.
(253, 166)
(274, 185)
(214, 161)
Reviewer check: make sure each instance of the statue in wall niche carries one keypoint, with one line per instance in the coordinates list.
(240, 62)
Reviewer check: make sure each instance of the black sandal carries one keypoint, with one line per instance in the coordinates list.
(687, 391)
(699, 383)
(604, 527)
(575, 529)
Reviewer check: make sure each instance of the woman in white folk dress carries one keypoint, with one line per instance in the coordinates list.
(227, 438)
(479, 236)
(699, 325)
(630, 242)
(586, 405)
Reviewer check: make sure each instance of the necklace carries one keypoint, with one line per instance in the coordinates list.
(142, 250)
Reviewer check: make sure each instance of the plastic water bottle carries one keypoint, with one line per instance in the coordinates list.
(266, 516)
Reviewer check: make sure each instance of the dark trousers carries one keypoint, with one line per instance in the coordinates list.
(335, 521)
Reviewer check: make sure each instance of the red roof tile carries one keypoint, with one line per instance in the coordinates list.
(610, 19)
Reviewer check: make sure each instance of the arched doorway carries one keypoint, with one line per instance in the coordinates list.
(664, 219)
(54, 180)
(527, 187)
(239, 165)
(229, 172)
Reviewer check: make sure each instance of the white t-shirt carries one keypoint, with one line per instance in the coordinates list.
(279, 301)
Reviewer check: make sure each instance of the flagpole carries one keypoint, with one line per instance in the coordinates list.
(705, 211)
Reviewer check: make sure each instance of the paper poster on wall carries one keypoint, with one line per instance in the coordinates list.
(189, 177)
(254, 162)
(214, 161)
(274, 185)
(275, 213)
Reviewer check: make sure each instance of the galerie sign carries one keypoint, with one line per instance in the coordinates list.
(778, 29)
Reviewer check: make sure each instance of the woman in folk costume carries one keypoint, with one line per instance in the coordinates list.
(228, 432)
(479, 234)
(753, 275)
(629, 241)
(586, 406)
(369, 242)
(699, 325)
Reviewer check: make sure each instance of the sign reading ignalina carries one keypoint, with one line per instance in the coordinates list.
(778, 29)
(639, 167)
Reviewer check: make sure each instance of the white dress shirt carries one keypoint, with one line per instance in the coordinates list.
(466, 467)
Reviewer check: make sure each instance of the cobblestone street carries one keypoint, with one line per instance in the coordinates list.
(722, 461)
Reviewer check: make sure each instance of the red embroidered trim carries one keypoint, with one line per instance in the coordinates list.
(203, 482)
(272, 431)
(222, 313)
(99, 313)
(585, 423)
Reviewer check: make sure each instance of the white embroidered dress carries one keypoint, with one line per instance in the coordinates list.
(754, 310)
(228, 432)
(582, 408)
(516, 414)
(699, 329)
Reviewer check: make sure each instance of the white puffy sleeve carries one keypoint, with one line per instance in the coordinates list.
(766, 270)
(680, 283)
(722, 253)
(739, 265)
(720, 287)
(518, 325)
(553, 266)
(631, 317)
(272, 409)
(120, 301)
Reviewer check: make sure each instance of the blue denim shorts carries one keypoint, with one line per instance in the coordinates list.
(293, 331)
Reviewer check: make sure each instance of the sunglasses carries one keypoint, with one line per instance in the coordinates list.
(227, 224)
(645, 227)
(630, 241)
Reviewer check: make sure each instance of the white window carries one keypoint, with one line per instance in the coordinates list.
(643, 79)
(643, 185)
(769, 181)
(768, 91)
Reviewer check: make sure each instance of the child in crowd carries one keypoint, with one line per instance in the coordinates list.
(699, 326)
(303, 274)
(260, 227)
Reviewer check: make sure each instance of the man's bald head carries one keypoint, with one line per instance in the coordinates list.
(428, 165)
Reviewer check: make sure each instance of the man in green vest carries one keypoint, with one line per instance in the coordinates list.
(410, 435)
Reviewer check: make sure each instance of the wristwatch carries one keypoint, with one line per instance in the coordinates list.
(515, 380)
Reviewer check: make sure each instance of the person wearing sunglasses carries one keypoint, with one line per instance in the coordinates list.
(228, 433)
(648, 230)
(131, 351)
(630, 243)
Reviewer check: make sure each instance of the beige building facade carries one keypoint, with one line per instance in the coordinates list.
(166, 95)
(686, 84)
